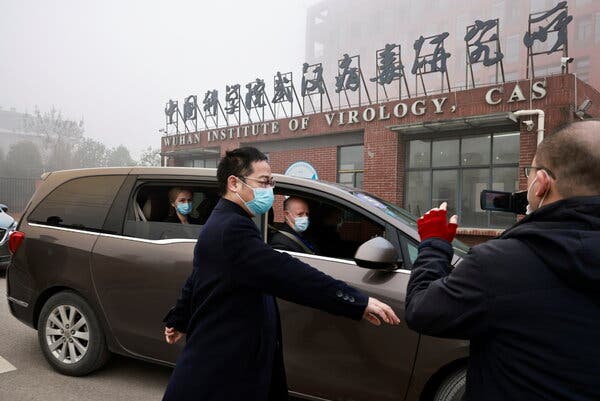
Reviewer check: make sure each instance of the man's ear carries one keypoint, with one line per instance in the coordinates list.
(544, 183)
(233, 184)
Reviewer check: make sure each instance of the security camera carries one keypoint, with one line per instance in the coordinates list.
(566, 60)
(528, 125)
(585, 105)
(583, 108)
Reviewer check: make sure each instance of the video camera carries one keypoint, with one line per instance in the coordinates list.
(512, 202)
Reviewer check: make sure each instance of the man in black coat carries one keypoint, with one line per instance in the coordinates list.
(290, 237)
(528, 301)
(227, 306)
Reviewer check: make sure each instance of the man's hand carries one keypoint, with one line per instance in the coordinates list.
(172, 335)
(376, 310)
(433, 224)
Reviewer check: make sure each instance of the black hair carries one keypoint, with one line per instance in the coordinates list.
(237, 162)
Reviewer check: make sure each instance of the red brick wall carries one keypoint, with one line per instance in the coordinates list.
(324, 160)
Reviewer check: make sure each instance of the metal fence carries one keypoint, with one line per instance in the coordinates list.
(16, 192)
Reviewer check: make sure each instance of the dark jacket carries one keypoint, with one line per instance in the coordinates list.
(283, 242)
(529, 301)
(228, 310)
(172, 218)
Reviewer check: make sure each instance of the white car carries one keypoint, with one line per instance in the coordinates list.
(7, 224)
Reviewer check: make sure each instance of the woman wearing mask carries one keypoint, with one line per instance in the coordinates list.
(181, 206)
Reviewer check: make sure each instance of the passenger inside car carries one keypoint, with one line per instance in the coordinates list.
(156, 211)
(181, 201)
(291, 235)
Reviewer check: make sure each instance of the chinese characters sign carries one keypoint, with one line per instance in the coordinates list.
(546, 34)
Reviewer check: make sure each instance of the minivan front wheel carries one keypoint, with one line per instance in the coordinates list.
(70, 335)
(453, 387)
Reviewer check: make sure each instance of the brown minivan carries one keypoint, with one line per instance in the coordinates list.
(96, 267)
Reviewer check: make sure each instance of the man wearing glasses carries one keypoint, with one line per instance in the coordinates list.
(227, 306)
(529, 300)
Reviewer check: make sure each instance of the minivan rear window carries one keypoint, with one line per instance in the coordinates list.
(82, 203)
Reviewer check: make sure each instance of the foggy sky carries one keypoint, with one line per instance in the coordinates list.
(116, 63)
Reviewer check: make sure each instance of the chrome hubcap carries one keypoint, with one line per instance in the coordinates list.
(67, 334)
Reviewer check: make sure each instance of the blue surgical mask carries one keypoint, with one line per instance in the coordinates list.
(301, 224)
(262, 202)
(184, 208)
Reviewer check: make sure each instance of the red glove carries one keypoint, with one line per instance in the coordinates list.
(435, 224)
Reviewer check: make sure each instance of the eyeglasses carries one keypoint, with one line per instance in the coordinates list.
(264, 183)
(527, 170)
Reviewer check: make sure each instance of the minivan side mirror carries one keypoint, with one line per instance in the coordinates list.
(4, 207)
(377, 253)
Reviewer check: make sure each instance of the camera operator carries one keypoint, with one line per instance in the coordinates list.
(528, 301)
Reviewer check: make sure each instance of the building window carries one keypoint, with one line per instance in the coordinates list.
(511, 76)
(351, 166)
(511, 52)
(321, 17)
(319, 49)
(547, 70)
(585, 30)
(582, 69)
(457, 170)
(498, 9)
(208, 163)
(538, 6)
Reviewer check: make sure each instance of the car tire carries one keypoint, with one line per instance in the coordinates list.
(453, 387)
(71, 336)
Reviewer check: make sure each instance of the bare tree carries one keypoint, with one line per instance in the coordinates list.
(23, 160)
(59, 136)
(119, 157)
(90, 153)
(150, 157)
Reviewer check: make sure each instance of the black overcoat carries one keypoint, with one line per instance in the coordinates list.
(228, 310)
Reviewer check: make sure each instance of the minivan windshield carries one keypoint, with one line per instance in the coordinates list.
(397, 212)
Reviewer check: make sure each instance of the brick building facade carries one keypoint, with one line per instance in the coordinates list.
(391, 134)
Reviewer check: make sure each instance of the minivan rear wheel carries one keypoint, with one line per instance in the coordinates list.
(70, 335)
(453, 387)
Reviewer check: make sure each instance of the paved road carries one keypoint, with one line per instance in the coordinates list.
(34, 380)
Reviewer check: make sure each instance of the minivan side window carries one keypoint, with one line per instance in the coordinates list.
(151, 215)
(334, 230)
(82, 203)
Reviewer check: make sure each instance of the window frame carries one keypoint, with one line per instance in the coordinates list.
(200, 159)
(354, 172)
(391, 232)
(160, 181)
(459, 168)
